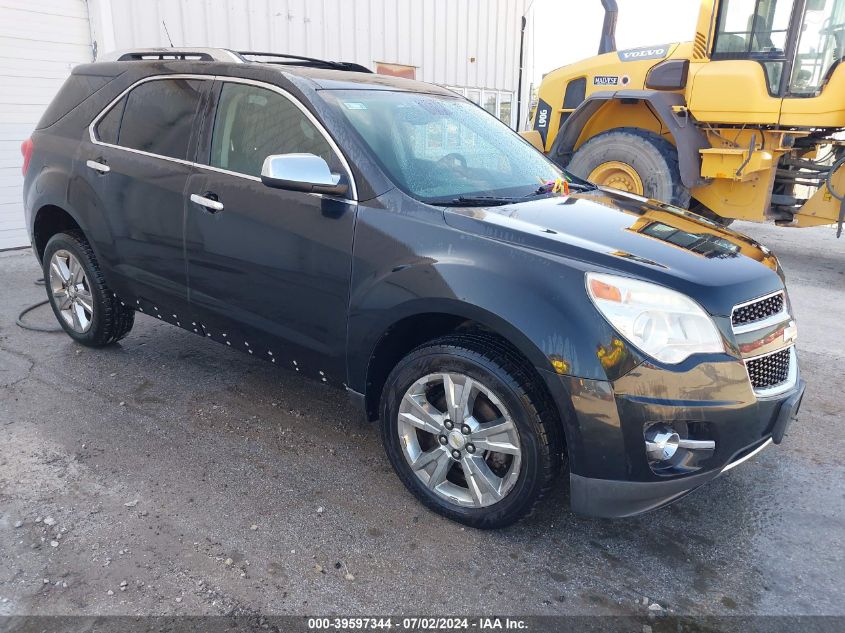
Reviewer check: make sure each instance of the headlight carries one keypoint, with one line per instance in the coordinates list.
(665, 324)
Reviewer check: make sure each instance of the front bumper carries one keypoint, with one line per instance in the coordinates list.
(609, 471)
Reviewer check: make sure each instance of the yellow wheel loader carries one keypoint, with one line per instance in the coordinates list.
(744, 122)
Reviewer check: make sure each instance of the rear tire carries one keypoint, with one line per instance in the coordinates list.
(84, 305)
(653, 159)
(495, 483)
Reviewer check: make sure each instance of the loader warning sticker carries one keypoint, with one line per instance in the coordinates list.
(605, 80)
(645, 52)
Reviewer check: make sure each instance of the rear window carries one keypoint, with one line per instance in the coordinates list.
(156, 117)
(109, 126)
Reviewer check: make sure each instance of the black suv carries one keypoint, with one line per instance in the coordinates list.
(500, 317)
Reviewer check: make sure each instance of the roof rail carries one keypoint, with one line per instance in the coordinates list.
(205, 54)
(299, 60)
(181, 53)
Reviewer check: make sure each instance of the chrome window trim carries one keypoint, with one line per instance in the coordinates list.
(228, 172)
(353, 185)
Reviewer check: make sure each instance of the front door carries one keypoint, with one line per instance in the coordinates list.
(268, 270)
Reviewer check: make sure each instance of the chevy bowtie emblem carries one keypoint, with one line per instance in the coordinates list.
(790, 333)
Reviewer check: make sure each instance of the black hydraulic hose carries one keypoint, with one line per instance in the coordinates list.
(35, 328)
(836, 195)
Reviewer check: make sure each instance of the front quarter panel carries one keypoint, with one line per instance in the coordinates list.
(408, 261)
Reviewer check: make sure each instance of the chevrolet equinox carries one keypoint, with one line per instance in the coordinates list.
(501, 318)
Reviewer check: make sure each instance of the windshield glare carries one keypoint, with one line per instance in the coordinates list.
(438, 148)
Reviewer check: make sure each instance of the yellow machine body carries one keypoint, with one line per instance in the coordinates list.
(753, 107)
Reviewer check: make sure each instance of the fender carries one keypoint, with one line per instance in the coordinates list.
(520, 294)
(689, 139)
(361, 352)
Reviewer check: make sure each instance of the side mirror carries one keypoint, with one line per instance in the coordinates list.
(301, 172)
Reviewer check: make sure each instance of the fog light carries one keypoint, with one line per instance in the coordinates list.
(661, 443)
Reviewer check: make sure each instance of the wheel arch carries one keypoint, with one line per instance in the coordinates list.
(417, 324)
(48, 220)
(655, 112)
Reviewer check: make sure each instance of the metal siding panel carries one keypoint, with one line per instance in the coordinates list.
(438, 36)
(450, 30)
(485, 47)
(417, 28)
(461, 45)
(404, 34)
(429, 33)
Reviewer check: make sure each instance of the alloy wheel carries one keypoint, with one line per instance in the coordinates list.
(71, 291)
(459, 439)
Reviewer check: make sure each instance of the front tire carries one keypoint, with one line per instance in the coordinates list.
(467, 432)
(633, 160)
(84, 305)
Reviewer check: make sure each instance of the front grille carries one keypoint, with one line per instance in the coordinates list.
(771, 370)
(758, 310)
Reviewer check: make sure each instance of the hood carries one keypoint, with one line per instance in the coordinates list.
(618, 232)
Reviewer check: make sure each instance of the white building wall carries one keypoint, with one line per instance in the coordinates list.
(456, 43)
(39, 44)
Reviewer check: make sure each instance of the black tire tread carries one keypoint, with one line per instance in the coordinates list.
(115, 320)
(486, 348)
(669, 153)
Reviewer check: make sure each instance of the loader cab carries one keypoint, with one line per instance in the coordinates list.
(797, 42)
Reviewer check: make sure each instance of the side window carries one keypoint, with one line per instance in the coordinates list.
(158, 116)
(109, 126)
(252, 123)
(750, 28)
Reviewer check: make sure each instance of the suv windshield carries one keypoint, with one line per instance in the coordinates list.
(438, 148)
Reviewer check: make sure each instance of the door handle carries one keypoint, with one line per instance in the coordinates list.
(207, 202)
(101, 168)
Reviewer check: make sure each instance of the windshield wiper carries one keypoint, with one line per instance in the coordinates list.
(491, 201)
(573, 186)
(475, 201)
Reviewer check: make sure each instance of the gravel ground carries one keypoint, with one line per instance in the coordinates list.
(170, 475)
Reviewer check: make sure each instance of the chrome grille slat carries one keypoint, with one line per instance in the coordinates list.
(771, 370)
(772, 373)
(758, 310)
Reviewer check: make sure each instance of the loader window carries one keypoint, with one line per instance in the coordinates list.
(821, 44)
(752, 29)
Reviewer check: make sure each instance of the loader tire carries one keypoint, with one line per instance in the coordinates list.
(632, 160)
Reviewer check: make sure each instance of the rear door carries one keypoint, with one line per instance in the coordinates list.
(138, 163)
(269, 270)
